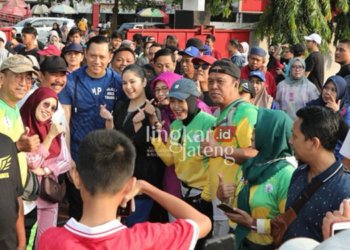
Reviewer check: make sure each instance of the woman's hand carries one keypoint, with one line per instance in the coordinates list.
(241, 217)
(225, 191)
(55, 130)
(105, 114)
(149, 108)
(333, 104)
(139, 117)
(38, 171)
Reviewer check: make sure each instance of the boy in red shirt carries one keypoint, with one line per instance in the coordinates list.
(104, 177)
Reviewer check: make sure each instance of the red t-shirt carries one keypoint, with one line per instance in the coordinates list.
(181, 234)
(215, 53)
(270, 82)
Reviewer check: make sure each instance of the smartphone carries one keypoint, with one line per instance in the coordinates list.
(221, 243)
(337, 227)
(124, 211)
(226, 208)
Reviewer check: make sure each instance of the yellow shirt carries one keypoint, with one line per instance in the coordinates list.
(11, 125)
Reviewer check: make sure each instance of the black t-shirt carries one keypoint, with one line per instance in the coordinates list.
(315, 65)
(33, 52)
(148, 166)
(344, 70)
(10, 189)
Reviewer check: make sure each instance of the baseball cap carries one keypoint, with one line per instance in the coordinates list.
(314, 37)
(248, 87)
(183, 88)
(19, 64)
(195, 42)
(257, 51)
(207, 59)
(3, 37)
(225, 66)
(53, 64)
(257, 73)
(190, 51)
(50, 50)
(207, 50)
(73, 47)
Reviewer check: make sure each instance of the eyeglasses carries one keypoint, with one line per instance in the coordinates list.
(47, 105)
(297, 67)
(204, 66)
(163, 89)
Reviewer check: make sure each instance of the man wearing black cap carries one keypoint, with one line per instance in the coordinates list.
(29, 36)
(230, 143)
(256, 61)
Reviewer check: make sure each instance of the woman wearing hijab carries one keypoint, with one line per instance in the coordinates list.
(333, 96)
(56, 27)
(262, 183)
(244, 49)
(54, 39)
(160, 87)
(52, 158)
(296, 90)
(182, 149)
(262, 98)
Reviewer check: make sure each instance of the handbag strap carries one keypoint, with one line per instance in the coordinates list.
(308, 191)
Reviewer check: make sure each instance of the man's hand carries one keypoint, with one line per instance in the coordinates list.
(225, 191)
(336, 216)
(241, 217)
(28, 143)
(137, 186)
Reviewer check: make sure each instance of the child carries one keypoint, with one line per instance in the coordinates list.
(103, 175)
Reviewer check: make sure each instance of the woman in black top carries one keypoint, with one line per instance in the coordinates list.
(136, 117)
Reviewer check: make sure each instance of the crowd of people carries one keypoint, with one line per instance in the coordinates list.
(149, 140)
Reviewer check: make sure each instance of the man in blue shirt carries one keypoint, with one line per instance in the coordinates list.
(87, 89)
(315, 134)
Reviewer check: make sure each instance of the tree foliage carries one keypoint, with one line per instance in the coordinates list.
(288, 21)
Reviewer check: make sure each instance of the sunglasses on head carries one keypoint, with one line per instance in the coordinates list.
(204, 66)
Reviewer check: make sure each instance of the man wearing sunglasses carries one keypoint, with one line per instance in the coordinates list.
(201, 74)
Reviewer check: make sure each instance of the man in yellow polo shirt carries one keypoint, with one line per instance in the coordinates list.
(230, 143)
